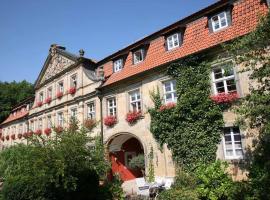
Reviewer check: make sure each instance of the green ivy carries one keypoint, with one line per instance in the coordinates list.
(191, 130)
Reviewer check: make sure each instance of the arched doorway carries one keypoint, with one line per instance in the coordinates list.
(122, 149)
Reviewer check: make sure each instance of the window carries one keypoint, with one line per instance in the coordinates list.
(73, 81)
(73, 113)
(169, 88)
(60, 119)
(49, 121)
(40, 124)
(32, 126)
(135, 100)
(173, 41)
(61, 87)
(41, 96)
(91, 110)
(20, 128)
(118, 65)
(128, 158)
(219, 21)
(111, 102)
(138, 56)
(223, 79)
(232, 143)
(49, 92)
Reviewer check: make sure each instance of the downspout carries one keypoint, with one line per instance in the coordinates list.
(100, 97)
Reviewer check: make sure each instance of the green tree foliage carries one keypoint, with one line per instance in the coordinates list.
(12, 94)
(192, 129)
(252, 51)
(213, 181)
(67, 166)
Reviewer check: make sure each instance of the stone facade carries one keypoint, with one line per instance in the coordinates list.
(70, 85)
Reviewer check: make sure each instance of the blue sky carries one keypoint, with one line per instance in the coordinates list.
(100, 27)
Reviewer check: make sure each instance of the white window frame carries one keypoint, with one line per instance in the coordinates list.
(41, 96)
(49, 121)
(171, 40)
(60, 119)
(172, 91)
(73, 81)
(73, 112)
(219, 21)
(61, 86)
(135, 59)
(49, 92)
(111, 109)
(135, 104)
(91, 110)
(234, 156)
(40, 125)
(223, 79)
(118, 65)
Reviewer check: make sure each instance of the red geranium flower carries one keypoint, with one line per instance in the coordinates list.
(110, 120)
(225, 98)
(39, 104)
(59, 95)
(167, 106)
(48, 131)
(48, 100)
(59, 129)
(132, 117)
(38, 132)
(72, 90)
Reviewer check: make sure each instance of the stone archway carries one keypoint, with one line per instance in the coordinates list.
(122, 148)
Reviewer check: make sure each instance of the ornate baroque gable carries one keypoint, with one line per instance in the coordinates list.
(57, 64)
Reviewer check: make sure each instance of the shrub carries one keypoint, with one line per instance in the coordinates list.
(138, 163)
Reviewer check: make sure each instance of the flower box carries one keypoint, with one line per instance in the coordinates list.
(59, 95)
(48, 100)
(110, 121)
(39, 104)
(133, 117)
(20, 136)
(47, 131)
(58, 129)
(38, 132)
(3, 138)
(72, 90)
(13, 136)
(7, 137)
(89, 124)
(167, 106)
(225, 98)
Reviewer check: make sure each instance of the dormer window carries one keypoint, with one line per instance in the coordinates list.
(118, 65)
(219, 21)
(138, 56)
(173, 41)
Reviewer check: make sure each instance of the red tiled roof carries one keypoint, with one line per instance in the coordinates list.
(197, 37)
(18, 115)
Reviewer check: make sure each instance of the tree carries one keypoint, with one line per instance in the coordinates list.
(67, 166)
(252, 52)
(12, 94)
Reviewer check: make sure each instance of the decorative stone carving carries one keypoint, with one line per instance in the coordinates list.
(57, 64)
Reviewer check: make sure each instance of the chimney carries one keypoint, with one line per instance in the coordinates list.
(81, 52)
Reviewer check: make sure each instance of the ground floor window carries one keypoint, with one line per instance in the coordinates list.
(232, 143)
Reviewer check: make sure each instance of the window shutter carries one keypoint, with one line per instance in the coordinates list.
(229, 16)
(211, 30)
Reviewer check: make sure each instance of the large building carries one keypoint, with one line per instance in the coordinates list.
(74, 86)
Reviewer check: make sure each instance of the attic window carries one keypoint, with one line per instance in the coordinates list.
(219, 21)
(118, 65)
(138, 56)
(173, 41)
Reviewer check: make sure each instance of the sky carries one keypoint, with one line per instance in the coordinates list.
(100, 27)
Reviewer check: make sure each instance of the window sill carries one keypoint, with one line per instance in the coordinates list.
(219, 30)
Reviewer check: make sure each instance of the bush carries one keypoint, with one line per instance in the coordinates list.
(65, 167)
